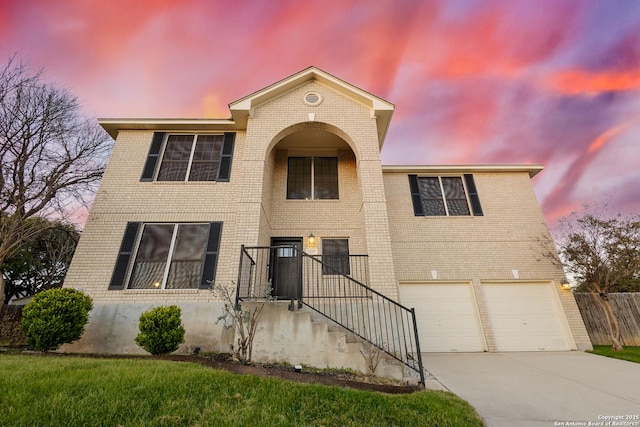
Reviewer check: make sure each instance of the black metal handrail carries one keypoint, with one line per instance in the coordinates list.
(325, 288)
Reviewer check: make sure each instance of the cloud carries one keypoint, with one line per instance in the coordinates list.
(474, 81)
(563, 198)
(584, 82)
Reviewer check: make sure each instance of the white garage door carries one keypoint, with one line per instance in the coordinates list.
(525, 317)
(446, 315)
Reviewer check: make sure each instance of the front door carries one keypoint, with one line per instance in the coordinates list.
(286, 267)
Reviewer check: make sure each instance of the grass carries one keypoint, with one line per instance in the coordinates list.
(631, 354)
(76, 391)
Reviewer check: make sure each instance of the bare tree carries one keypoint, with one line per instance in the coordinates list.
(243, 320)
(603, 255)
(52, 157)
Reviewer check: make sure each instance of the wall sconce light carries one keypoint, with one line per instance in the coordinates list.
(564, 283)
(312, 240)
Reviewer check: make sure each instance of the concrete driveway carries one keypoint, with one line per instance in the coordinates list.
(542, 389)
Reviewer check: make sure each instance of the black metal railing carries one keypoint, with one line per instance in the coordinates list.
(328, 285)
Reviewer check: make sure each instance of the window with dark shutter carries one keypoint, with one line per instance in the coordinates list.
(184, 157)
(168, 256)
(124, 255)
(224, 173)
(415, 195)
(444, 196)
(473, 195)
(152, 158)
(211, 255)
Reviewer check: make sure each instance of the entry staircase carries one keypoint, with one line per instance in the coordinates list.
(334, 288)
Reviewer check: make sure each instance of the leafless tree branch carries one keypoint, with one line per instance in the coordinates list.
(52, 157)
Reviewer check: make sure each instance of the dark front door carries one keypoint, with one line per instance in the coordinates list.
(286, 267)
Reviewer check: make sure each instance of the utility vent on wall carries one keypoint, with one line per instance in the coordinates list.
(312, 98)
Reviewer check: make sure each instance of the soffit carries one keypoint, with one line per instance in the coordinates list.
(531, 169)
(113, 126)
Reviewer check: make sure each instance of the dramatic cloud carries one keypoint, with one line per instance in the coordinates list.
(474, 81)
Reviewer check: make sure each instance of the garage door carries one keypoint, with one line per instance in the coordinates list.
(525, 317)
(446, 315)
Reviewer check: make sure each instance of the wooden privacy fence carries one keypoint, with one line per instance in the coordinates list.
(626, 308)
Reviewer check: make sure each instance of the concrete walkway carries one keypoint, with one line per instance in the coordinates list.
(542, 389)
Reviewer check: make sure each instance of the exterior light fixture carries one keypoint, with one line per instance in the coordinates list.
(312, 240)
(565, 284)
(156, 285)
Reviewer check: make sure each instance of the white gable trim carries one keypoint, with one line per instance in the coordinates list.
(381, 110)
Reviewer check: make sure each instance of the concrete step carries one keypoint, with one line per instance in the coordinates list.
(306, 337)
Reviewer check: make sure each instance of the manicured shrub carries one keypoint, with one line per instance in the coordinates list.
(161, 330)
(55, 317)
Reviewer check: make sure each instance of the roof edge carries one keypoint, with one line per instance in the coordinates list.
(532, 169)
(382, 110)
(307, 74)
(113, 126)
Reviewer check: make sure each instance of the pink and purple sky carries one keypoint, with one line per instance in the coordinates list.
(555, 82)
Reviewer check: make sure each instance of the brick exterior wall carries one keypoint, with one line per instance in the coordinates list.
(374, 211)
(511, 235)
(122, 197)
(360, 214)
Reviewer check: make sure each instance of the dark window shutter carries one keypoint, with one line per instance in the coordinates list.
(124, 255)
(415, 195)
(211, 256)
(153, 157)
(224, 173)
(473, 195)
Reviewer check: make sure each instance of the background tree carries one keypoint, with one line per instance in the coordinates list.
(40, 263)
(603, 255)
(52, 157)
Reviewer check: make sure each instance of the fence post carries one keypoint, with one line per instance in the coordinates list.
(239, 276)
(415, 332)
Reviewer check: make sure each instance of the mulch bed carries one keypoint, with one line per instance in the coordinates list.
(339, 378)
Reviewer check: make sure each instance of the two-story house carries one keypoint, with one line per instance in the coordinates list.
(289, 195)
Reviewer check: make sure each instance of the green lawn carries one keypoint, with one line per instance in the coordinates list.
(632, 354)
(75, 391)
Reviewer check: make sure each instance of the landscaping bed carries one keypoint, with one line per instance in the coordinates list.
(335, 377)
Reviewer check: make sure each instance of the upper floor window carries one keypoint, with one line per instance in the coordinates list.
(312, 178)
(444, 195)
(183, 157)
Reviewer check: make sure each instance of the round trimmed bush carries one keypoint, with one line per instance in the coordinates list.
(161, 330)
(55, 317)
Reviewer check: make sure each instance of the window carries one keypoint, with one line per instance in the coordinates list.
(189, 157)
(167, 256)
(286, 252)
(444, 195)
(335, 256)
(312, 178)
